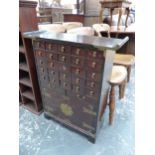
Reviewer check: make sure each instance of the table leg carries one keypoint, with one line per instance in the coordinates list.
(126, 21)
(101, 16)
(111, 12)
(119, 18)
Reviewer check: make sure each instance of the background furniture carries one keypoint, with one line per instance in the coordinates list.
(73, 76)
(112, 4)
(28, 82)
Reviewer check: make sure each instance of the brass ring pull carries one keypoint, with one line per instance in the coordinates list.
(77, 71)
(78, 51)
(93, 75)
(77, 89)
(77, 81)
(62, 49)
(63, 58)
(93, 64)
(91, 93)
(77, 61)
(94, 54)
(92, 84)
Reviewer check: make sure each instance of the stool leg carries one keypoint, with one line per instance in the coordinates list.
(122, 89)
(129, 72)
(111, 104)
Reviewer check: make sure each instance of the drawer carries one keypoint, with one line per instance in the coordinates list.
(92, 93)
(53, 65)
(40, 54)
(44, 80)
(53, 74)
(78, 71)
(78, 81)
(38, 44)
(54, 82)
(65, 85)
(63, 49)
(64, 67)
(94, 65)
(77, 61)
(51, 47)
(93, 85)
(95, 54)
(78, 90)
(51, 56)
(65, 76)
(64, 58)
(94, 76)
(77, 52)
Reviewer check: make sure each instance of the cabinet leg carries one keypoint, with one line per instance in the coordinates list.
(111, 104)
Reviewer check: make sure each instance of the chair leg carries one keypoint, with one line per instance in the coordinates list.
(129, 72)
(111, 104)
(122, 89)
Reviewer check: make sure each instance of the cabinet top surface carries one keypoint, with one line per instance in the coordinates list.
(103, 43)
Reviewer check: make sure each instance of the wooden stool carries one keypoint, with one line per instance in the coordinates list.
(118, 78)
(126, 60)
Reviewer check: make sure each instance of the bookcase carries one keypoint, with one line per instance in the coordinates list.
(29, 92)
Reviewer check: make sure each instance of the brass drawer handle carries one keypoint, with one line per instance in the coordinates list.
(64, 75)
(41, 62)
(93, 75)
(63, 58)
(92, 84)
(42, 69)
(53, 72)
(53, 81)
(94, 54)
(77, 71)
(91, 93)
(49, 46)
(78, 51)
(62, 49)
(77, 81)
(40, 53)
(77, 89)
(77, 61)
(52, 64)
(93, 64)
(51, 56)
(65, 84)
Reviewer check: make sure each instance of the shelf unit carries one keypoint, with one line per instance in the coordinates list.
(29, 92)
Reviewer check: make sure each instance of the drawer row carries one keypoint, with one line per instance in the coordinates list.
(53, 60)
(70, 50)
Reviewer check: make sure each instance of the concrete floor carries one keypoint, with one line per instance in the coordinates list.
(39, 136)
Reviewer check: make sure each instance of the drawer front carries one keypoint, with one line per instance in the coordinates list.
(64, 58)
(39, 45)
(78, 81)
(51, 47)
(63, 49)
(65, 76)
(54, 65)
(78, 52)
(78, 71)
(78, 90)
(92, 84)
(95, 54)
(94, 65)
(93, 76)
(92, 93)
(77, 61)
(65, 85)
(52, 56)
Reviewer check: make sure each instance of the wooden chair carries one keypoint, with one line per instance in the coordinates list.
(118, 78)
(126, 60)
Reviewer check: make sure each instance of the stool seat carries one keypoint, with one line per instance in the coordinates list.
(124, 59)
(53, 28)
(71, 25)
(119, 73)
(87, 31)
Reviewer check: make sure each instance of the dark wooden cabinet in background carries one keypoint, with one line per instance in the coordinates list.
(73, 73)
(29, 92)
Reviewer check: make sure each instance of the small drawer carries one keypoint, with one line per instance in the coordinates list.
(63, 49)
(64, 67)
(78, 71)
(38, 44)
(92, 93)
(77, 52)
(64, 58)
(65, 85)
(92, 84)
(65, 76)
(77, 89)
(44, 80)
(95, 54)
(54, 82)
(53, 74)
(77, 61)
(94, 65)
(78, 81)
(94, 76)
(53, 65)
(51, 47)
(40, 53)
(51, 56)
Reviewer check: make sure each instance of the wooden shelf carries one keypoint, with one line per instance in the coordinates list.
(26, 81)
(28, 94)
(23, 66)
(21, 49)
